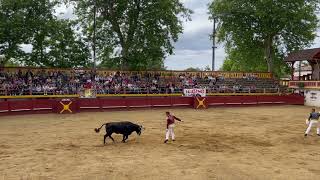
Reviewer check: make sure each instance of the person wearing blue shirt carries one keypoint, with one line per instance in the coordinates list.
(313, 120)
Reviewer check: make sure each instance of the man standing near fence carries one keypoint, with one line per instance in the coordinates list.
(313, 120)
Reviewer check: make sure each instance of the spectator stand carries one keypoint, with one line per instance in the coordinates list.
(45, 81)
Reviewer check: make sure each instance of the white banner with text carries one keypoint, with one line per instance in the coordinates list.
(194, 92)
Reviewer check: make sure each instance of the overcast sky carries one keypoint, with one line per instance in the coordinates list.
(194, 48)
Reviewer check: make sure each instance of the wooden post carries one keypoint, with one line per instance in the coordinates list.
(300, 70)
(292, 71)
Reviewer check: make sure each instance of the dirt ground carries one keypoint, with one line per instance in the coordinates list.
(218, 143)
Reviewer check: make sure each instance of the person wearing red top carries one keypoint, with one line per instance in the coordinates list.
(88, 84)
(170, 126)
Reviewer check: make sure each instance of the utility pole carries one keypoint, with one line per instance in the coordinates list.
(213, 43)
(94, 36)
(2, 59)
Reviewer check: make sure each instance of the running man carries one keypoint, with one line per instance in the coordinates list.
(170, 126)
(313, 120)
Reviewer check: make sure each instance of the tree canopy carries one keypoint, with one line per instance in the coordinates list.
(258, 34)
(135, 34)
(207, 68)
(54, 42)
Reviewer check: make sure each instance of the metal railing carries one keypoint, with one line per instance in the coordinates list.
(304, 84)
(140, 91)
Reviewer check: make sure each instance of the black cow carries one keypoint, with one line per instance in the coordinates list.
(125, 128)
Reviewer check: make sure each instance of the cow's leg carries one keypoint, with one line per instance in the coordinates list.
(111, 137)
(104, 139)
(109, 133)
(125, 137)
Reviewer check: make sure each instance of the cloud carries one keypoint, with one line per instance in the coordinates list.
(65, 12)
(184, 59)
(26, 48)
(194, 48)
(317, 40)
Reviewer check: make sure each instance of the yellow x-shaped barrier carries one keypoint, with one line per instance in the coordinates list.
(66, 107)
(201, 103)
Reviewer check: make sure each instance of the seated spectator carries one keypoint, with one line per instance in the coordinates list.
(222, 88)
(136, 89)
(154, 81)
(74, 89)
(236, 88)
(253, 88)
(117, 89)
(38, 88)
(182, 77)
(45, 89)
(88, 84)
(220, 78)
(171, 89)
(153, 88)
(211, 85)
(130, 87)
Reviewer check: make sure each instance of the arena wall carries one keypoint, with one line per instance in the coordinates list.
(61, 105)
(312, 98)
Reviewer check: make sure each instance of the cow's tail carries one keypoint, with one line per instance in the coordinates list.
(97, 130)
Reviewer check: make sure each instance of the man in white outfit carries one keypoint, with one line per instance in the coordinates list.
(313, 120)
(170, 126)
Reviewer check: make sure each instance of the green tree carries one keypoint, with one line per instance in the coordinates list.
(207, 68)
(135, 34)
(57, 45)
(14, 29)
(258, 33)
(252, 60)
(193, 69)
(11, 63)
(54, 41)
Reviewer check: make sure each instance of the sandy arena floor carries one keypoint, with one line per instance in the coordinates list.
(219, 143)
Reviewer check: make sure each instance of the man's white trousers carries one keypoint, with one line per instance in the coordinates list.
(170, 131)
(311, 124)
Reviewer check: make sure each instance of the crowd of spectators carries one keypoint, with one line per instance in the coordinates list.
(58, 82)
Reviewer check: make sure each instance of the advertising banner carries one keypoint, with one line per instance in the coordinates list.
(194, 92)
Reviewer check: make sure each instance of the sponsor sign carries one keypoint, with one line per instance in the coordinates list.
(313, 96)
(194, 92)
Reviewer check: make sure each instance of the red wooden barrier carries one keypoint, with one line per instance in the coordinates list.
(43, 104)
(161, 101)
(64, 106)
(200, 103)
(54, 105)
(21, 105)
(270, 100)
(216, 100)
(4, 106)
(134, 102)
(233, 100)
(89, 103)
(113, 102)
(182, 101)
(247, 100)
(292, 99)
